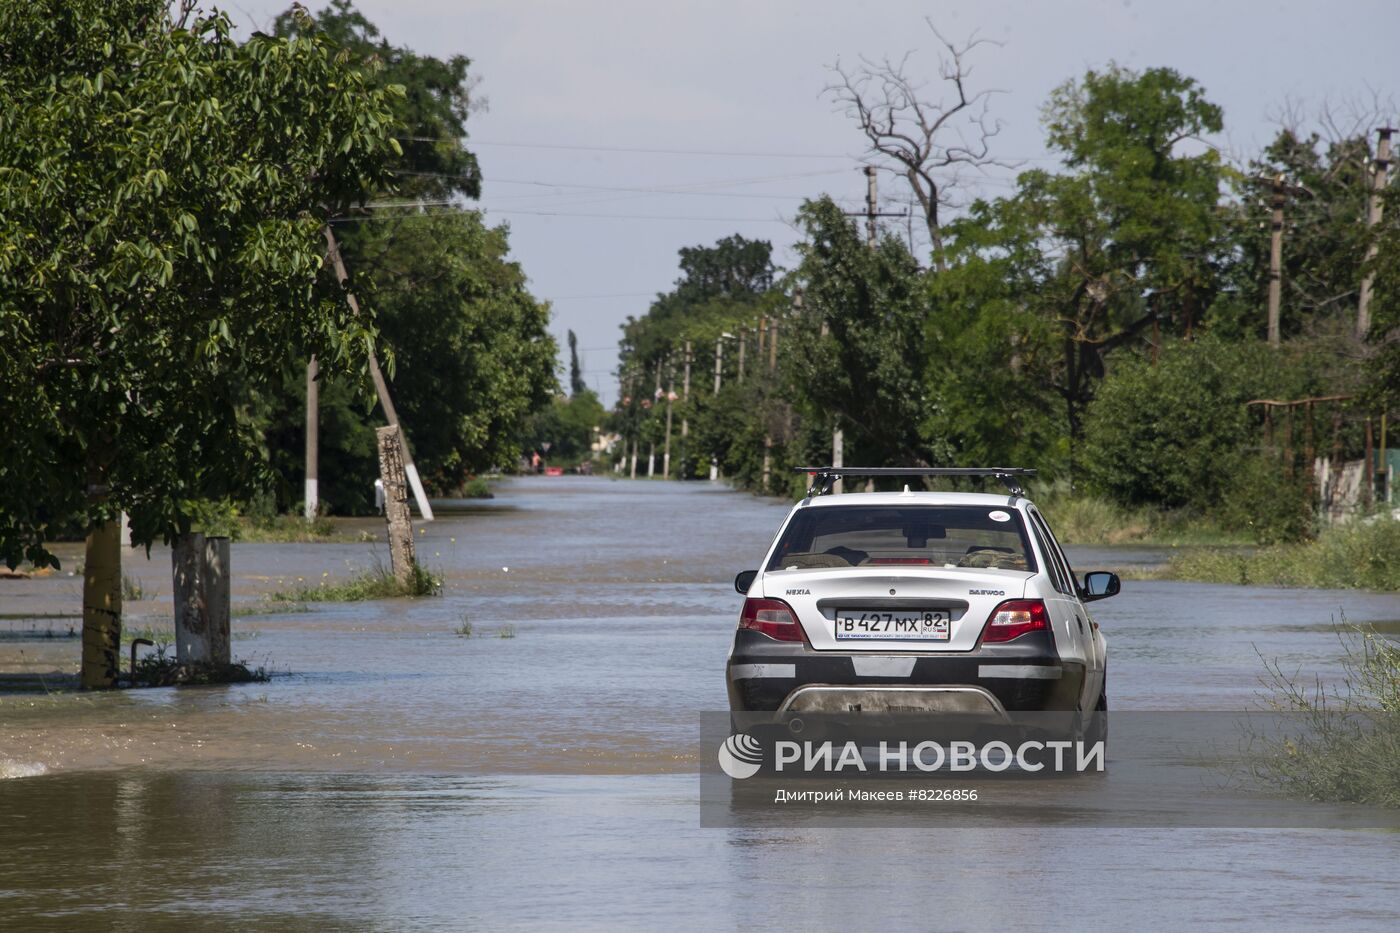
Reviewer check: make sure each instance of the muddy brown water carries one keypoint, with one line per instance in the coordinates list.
(395, 774)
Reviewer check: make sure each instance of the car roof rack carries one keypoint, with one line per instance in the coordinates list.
(824, 477)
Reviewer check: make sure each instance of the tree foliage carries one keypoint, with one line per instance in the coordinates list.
(162, 194)
(432, 109)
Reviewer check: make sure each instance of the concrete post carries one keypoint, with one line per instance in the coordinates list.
(191, 616)
(217, 598)
(313, 424)
(396, 513)
(1373, 218)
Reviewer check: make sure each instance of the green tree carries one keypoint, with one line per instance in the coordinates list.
(162, 195)
(858, 358)
(576, 384)
(1324, 237)
(1123, 242)
(432, 110)
(471, 358)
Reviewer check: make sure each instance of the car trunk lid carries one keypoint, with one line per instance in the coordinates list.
(893, 608)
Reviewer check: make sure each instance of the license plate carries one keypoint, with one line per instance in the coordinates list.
(907, 625)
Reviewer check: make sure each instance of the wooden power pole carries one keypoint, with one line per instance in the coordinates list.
(1276, 201)
(1373, 219)
(380, 386)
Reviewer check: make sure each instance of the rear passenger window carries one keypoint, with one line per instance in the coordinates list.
(1055, 564)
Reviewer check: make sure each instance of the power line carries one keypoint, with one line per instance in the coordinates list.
(454, 204)
(686, 188)
(638, 149)
(614, 295)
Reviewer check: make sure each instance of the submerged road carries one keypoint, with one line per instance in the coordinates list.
(541, 772)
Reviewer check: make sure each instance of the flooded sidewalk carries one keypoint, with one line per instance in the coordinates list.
(414, 762)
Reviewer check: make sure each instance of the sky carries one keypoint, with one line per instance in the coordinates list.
(721, 104)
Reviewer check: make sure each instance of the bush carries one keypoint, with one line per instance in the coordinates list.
(477, 488)
(1173, 434)
(1263, 502)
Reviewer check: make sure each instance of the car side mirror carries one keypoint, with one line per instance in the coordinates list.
(743, 581)
(1100, 584)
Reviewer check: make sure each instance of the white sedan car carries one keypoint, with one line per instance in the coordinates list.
(917, 601)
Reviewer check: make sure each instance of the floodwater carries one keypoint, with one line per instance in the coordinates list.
(540, 773)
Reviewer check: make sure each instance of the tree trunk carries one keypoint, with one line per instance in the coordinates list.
(396, 514)
(102, 607)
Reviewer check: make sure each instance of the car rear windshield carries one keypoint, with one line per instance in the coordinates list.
(933, 535)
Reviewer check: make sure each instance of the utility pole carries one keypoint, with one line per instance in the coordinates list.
(870, 210)
(685, 419)
(742, 334)
(772, 370)
(651, 444)
(1373, 219)
(872, 237)
(313, 440)
(719, 362)
(838, 436)
(380, 387)
(1275, 258)
(670, 398)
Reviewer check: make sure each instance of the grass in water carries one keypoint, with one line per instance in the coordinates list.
(1345, 746)
(1089, 520)
(1360, 555)
(293, 529)
(132, 590)
(157, 670)
(375, 583)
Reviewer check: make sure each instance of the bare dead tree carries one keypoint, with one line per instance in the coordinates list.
(178, 12)
(923, 139)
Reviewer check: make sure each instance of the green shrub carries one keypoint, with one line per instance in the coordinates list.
(1173, 434)
(1262, 501)
(477, 488)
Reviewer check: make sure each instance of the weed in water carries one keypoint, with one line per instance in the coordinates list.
(464, 630)
(1363, 554)
(132, 590)
(506, 631)
(1344, 742)
(375, 583)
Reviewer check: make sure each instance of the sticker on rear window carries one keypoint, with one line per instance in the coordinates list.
(999, 516)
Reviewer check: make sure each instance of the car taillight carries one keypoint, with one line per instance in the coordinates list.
(1014, 618)
(772, 617)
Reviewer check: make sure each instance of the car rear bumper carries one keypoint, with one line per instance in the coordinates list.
(1019, 676)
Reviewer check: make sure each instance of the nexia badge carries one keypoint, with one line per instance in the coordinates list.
(799, 592)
